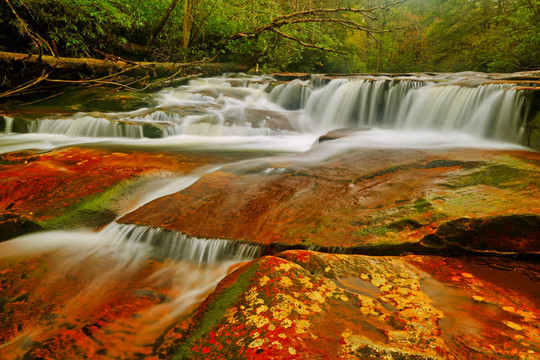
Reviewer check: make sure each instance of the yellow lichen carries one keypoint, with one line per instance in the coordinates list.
(258, 321)
(256, 343)
(261, 309)
(283, 266)
(301, 326)
(316, 296)
(306, 282)
(513, 325)
(285, 281)
(264, 280)
(229, 315)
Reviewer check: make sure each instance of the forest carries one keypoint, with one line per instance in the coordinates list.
(332, 36)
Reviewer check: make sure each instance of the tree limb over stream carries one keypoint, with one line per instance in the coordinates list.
(318, 16)
(21, 73)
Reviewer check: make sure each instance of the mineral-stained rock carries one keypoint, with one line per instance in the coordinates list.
(308, 305)
(364, 199)
(76, 187)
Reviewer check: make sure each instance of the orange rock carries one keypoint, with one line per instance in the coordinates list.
(365, 198)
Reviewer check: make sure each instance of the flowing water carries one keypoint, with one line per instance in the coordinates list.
(251, 114)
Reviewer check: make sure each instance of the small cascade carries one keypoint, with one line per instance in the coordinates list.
(166, 244)
(291, 96)
(488, 111)
(397, 93)
(87, 126)
(8, 124)
(344, 103)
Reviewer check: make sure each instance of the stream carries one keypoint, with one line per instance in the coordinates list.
(255, 121)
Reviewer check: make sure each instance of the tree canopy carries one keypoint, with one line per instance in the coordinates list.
(285, 35)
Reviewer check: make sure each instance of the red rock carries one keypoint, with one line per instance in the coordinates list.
(307, 305)
(40, 187)
(359, 200)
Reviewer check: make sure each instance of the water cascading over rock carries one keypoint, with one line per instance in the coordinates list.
(222, 107)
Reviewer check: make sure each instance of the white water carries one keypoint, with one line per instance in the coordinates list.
(190, 269)
(240, 109)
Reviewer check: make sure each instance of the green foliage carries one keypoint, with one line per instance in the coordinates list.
(426, 35)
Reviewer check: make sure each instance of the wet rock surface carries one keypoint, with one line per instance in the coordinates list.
(48, 314)
(308, 305)
(76, 186)
(465, 199)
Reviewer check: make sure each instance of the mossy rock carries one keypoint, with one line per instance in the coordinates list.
(152, 131)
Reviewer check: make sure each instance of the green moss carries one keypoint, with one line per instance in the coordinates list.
(405, 223)
(372, 230)
(422, 205)
(216, 311)
(498, 175)
(94, 211)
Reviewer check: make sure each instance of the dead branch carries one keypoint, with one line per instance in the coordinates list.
(43, 99)
(24, 86)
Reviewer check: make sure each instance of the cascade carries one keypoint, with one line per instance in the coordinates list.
(87, 126)
(491, 111)
(166, 244)
(243, 107)
(291, 96)
(8, 124)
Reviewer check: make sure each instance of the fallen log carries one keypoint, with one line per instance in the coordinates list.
(18, 69)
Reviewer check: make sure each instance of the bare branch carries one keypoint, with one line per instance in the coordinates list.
(25, 86)
(315, 16)
(304, 43)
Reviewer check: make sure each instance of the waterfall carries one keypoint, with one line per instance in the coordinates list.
(240, 107)
(291, 96)
(166, 244)
(489, 111)
(87, 126)
(8, 124)
(492, 111)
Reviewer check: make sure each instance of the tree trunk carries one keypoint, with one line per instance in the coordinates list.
(162, 23)
(186, 25)
(22, 68)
